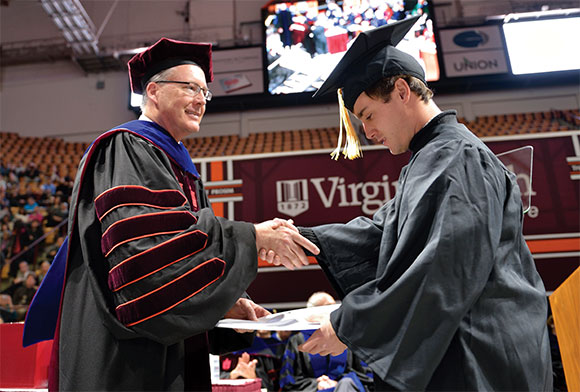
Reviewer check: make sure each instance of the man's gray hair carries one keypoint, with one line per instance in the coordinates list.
(163, 75)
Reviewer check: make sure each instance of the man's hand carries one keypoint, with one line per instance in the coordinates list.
(323, 341)
(245, 368)
(284, 243)
(246, 309)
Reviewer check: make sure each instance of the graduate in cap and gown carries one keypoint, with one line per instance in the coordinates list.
(439, 290)
(148, 269)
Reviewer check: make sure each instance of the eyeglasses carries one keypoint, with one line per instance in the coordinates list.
(192, 88)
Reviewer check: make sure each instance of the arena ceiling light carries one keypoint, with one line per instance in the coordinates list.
(73, 21)
(543, 41)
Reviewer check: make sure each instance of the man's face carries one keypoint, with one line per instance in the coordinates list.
(180, 113)
(384, 122)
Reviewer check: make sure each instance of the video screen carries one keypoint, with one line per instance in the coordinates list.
(305, 40)
(543, 45)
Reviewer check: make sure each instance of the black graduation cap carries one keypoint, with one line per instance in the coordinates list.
(164, 54)
(371, 57)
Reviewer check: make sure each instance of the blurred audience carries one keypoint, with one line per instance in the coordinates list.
(33, 216)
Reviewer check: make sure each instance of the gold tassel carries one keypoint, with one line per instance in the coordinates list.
(351, 149)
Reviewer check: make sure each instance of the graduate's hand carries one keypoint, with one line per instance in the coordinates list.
(245, 368)
(289, 223)
(284, 244)
(323, 341)
(246, 309)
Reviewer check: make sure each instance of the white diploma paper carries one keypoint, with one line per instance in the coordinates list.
(292, 320)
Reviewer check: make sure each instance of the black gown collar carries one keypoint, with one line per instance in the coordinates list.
(425, 134)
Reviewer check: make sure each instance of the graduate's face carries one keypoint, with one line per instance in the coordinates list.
(179, 112)
(385, 121)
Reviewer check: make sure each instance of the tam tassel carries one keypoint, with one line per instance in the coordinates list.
(351, 149)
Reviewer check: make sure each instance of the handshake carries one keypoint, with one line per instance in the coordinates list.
(279, 242)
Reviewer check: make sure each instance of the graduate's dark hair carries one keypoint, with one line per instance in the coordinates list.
(384, 87)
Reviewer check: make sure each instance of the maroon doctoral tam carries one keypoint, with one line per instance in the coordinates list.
(164, 54)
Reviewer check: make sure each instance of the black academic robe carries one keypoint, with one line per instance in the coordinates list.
(150, 270)
(440, 289)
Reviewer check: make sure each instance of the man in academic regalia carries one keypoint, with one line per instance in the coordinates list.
(439, 290)
(149, 269)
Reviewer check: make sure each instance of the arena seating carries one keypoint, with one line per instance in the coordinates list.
(51, 154)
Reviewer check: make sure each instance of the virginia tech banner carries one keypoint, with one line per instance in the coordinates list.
(313, 189)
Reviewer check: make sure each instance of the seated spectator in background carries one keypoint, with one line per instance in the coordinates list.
(20, 216)
(5, 215)
(3, 183)
(12, 173)
(7, 219)
(36, 215)
(16, 246)
(31, 171)
(7, 273)
(30, 205)
(49, 188)
(50, 251)
(23, 269)
(54, 176)
(6, 241)
(42, 270)
(15, 198)
(57, 212)
(33, 232)
(64, 188)
(4, 202)
(23, 295)
(320, 298)
(306, 372)
(7, 312)
(261, 360)
(245, 368)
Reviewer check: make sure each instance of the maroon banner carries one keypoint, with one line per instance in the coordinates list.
(312, 189)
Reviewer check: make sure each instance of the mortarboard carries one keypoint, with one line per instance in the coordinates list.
(371, 57)
(164, 54)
